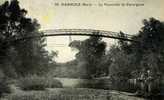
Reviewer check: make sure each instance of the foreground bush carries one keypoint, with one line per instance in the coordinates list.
(4, 87)
(38, 83)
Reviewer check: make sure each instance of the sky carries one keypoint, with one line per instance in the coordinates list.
(110, 18)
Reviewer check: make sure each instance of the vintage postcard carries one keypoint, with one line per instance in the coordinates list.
(81, 50)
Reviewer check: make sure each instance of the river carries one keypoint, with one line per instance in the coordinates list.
(72, 82)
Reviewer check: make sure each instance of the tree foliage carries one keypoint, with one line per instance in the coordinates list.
(26, 56)
(90, 54)
(150, 50)
(147, 54)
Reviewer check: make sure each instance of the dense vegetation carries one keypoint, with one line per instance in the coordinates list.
(19, 58)
(90, 55)
(124, 59)
(130, 60)
(35, 82)
(142, 60)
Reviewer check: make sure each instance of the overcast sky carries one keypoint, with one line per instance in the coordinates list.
(126, 19)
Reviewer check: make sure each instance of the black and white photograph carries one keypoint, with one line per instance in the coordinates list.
(81, 50)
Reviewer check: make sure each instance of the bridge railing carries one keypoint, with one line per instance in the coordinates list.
(81, 32)
(85, 31)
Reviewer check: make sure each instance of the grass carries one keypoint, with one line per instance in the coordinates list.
(51, 92)
(38, 83)
(69, 94)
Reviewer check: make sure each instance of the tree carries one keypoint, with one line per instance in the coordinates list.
(26, 56)
(142, 59)
(120, 64)
(90, 54)
(150, 50)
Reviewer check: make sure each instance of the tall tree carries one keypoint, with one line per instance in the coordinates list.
(150, 50)
(25, 56)
(146, 54)
(90, 54)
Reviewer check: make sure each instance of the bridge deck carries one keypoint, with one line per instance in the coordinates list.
(80, 32)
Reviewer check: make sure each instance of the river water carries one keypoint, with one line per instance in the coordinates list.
(71, 82)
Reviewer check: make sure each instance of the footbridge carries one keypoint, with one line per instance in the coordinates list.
(80, 32)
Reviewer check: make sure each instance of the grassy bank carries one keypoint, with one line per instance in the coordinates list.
(69, 94)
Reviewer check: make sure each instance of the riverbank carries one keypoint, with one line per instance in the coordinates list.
(70, 94)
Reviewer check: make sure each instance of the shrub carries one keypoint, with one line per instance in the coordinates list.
(95, 84)
(38, 83)
(4, 87)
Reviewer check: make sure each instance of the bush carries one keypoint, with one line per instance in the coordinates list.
(94, 83)
(53, 83)
(38, 83)
(4, 87)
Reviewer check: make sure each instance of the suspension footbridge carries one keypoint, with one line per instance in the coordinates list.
(81, 32)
